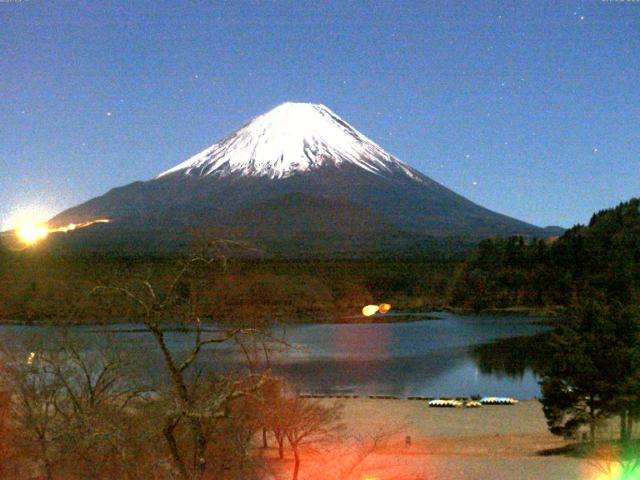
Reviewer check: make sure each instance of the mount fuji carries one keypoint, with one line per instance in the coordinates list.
(297, 180)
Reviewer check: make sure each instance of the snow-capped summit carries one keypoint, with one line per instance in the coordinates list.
(291, 138)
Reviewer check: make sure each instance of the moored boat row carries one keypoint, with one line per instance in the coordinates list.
(473, 402)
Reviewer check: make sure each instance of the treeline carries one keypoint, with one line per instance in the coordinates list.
(590, 363)
(593, 369)
(37, 286)
(601, 259)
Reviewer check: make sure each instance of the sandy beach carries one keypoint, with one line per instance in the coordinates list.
(498, 442)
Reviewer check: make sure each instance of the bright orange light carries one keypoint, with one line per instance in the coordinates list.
(370, 310)
(30, 234)
(74, 226)
(384, 308)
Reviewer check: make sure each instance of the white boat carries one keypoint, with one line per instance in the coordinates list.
(498, 401)
(445, 403)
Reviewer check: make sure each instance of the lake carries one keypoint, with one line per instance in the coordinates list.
(451, 355)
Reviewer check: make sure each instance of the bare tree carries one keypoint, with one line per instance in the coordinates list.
(189, 404)
(6, 432)
(311, 423)
(258, 350)
(71, 404)
(263, 406)
(358, 448)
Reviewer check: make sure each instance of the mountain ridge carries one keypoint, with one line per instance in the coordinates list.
(295, 176)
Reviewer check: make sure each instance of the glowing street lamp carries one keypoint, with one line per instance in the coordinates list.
(373, 309)
(370, 310)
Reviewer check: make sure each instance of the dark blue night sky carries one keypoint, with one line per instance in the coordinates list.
(530, 108)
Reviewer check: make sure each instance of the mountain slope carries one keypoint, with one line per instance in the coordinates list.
(301, 175)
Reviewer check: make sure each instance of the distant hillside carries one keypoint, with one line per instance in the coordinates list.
(601, 259)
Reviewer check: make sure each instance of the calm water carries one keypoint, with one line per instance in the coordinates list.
(451, 356)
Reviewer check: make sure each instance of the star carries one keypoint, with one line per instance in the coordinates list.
(109, 114)
(581, 17)
(467, 156)
(475, 183)
(595, 150)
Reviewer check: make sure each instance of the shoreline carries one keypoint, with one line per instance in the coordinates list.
(397, 316)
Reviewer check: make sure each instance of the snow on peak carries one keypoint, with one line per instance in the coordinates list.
(291, 138)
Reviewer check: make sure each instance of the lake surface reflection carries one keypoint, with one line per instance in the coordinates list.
(452, 355)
